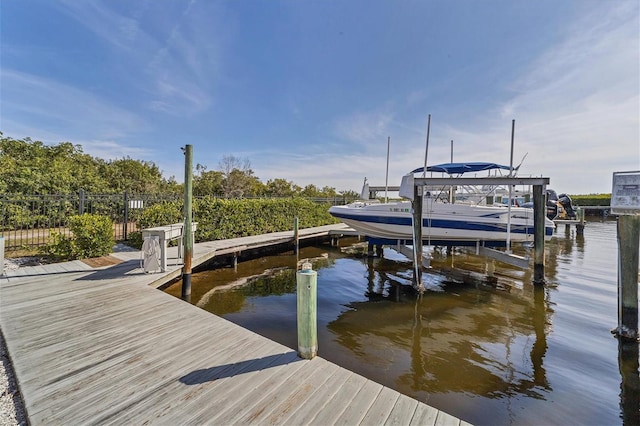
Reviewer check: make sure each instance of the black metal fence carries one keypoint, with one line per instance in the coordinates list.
(27, 221)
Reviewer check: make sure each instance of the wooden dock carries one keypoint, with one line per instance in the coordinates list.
(94, 343)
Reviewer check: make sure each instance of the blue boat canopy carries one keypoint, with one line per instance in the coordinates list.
(460, 168)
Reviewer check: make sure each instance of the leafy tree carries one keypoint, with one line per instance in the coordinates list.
(171, 186)
(137, 176)
(280, 188)
(349, 195)
(239, 180)
(207, 183)
(31, 167)
(313, 191)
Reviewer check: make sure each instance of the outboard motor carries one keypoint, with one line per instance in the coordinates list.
(552, 204)
(565, 202)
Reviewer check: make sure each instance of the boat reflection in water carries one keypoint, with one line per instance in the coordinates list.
(489, 354)
(470, 341)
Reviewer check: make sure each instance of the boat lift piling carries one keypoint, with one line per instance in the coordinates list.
(416, 210)
(625, 202)
(539, 214)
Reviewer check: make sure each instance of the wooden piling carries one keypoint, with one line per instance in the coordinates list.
(296, 235)
(416, 205)
(370, 249)
(628, 251)
(539, 214)
(306, 280)
(187, 233)
(580, 225)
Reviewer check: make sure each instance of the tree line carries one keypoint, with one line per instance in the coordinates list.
(32, 167)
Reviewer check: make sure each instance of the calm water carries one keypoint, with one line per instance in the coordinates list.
(503, 354)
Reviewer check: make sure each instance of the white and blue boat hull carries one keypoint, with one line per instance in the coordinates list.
(441, 223)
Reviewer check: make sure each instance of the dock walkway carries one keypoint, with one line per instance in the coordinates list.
(100, 345)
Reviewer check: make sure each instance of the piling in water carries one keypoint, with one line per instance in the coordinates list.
(307, 283)
(628, 251)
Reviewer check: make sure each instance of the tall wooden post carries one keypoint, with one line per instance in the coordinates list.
(416, 207)
(628, 251)
(625, 202)
(307, 283)
(187, 230)
(539, 214)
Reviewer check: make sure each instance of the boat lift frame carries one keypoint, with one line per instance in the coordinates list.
(539, 211)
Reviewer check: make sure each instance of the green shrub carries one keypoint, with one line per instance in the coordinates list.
(231, 218)
(91, 236)
(159, 214)
(591, 200)
(220, 218)
(59, 247)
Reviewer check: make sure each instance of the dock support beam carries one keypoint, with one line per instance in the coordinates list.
(539, 214)
(307, 283)
(187, 232)
(628, 251)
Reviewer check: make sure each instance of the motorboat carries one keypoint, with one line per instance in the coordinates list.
(443, 223)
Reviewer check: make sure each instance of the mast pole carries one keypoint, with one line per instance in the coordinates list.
(426, 150)
(451, 188)
(513, 129)
(386, 181)
(452, 150)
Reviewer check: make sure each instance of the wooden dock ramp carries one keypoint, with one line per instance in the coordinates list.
(101, 346)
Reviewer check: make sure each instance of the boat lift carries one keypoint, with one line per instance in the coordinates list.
(539, 213)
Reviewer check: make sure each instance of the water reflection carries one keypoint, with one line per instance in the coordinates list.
(630, 383)
(508, 352)
(464, 340)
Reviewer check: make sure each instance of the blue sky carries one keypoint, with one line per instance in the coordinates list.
(309, 91)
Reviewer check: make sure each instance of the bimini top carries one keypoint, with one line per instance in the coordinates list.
(460, 168)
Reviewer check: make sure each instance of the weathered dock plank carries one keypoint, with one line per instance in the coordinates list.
(402, 412)
(381, 407)
(274, 407)
(101, 346)
(305, 413)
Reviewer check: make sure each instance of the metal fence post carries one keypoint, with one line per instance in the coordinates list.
(81, 201)
(126, 215)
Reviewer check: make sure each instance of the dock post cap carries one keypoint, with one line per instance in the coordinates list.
(306, 267)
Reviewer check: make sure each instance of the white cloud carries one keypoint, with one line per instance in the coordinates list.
(577, 108)
(111, 150)
(364, 128)
(112, 28)
(173, 56)
(63, 109)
